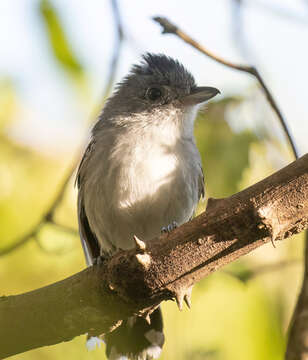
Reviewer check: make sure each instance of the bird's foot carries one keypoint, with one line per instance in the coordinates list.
(98, 260)
(169, 228)
(93, 342)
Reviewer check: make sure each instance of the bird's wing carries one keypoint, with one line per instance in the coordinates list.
(88, 238)
(201, 192)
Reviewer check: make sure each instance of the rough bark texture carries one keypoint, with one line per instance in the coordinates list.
(136, 281)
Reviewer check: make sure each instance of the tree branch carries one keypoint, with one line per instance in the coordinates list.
(48, 216)
(297, 347)
(136, 281)
(170, 28)
(119, 37)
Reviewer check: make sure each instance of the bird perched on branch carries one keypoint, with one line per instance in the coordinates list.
(141, 174)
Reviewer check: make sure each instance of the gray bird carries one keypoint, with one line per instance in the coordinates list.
(140, 174)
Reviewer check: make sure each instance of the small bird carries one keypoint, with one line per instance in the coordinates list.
(141, 174)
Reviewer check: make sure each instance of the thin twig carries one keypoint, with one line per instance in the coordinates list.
(63, 228)
(57, 251)
(66, 228)
(48, 217)
(119, 37)
(170, 28)
(263, 269)
(297, 344)
(238, 34)
(268, 268)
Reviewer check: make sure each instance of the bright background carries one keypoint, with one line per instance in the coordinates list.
(54, 65)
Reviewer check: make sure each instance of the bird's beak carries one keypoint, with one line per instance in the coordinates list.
(199, 95)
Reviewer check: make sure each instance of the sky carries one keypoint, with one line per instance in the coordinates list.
(272, 35)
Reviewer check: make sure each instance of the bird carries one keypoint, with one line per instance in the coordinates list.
(141, 175)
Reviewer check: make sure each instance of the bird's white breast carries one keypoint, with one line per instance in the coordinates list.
(147, 180)
(146, 171)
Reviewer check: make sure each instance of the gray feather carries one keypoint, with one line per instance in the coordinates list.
(141, 170)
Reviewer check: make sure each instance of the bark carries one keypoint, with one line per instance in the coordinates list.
(136, 281)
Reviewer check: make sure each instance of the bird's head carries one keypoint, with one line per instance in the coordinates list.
(158, 85)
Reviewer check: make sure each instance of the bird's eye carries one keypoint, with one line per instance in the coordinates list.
(154, 94)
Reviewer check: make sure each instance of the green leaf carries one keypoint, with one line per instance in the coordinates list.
(58, 40)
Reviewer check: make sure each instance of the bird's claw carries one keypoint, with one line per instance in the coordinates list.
(98, 260)
(169, 228)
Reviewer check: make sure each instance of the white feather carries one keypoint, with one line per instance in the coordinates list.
(93, 342)
(142, 178)
(154, 351)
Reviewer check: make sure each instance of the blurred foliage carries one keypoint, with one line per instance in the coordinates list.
(232, 317)
(25, 175)
(240, 271)
(8, 102)
(225, 153)
(58, 41)
(236, 314)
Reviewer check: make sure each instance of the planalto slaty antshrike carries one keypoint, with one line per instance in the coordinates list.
(141, 174)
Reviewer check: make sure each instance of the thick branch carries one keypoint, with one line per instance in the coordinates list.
(135, 281)
(297, 347)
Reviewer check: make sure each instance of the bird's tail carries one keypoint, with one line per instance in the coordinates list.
(136, 339)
